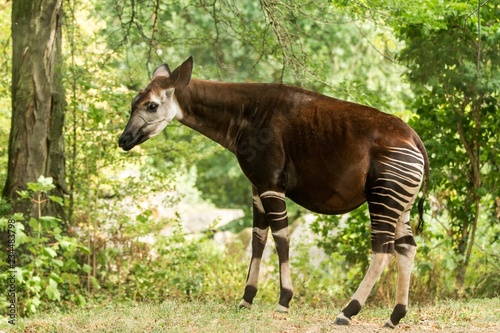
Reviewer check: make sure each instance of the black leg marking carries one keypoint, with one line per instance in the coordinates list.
(250, 292)
(397, 314)
(285, 297)
(401, 244)
(350, 310)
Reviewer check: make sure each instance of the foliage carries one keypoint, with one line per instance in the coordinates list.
(222, 182)
(348, 235)
(182, 268)
(48, 270)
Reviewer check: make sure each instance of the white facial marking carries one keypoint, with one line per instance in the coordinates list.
(168, 109)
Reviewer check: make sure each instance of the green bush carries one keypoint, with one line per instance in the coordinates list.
(48, 270)
(183, 267)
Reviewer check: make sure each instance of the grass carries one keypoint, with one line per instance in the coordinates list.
(478, 315)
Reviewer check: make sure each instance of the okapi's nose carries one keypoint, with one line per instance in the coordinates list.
(124, 140)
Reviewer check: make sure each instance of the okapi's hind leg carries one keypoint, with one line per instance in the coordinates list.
(406, 248)
(390, 198)
(260, 232)
(383, 229)
(378, 263)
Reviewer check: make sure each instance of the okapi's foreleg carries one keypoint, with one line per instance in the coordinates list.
(259, 238)
(275, 207)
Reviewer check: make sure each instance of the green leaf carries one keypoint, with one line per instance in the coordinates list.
(86, 268)
(34, 187)
(50, 223)
(50, 252)
(81, 300)
(71, 265)
(44, 184)
(24, 194)
(70, 278)
(84, 249)
(56, 277)
(52, 291)
(18, 217)
(58, 262)
(49, 219)
(33, 223)
(65, 244)
(32, 304)
(56, 199)
(56, 231)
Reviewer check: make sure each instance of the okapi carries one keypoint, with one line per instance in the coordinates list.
(327, 155)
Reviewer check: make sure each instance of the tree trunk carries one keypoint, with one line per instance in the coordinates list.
(36, 143)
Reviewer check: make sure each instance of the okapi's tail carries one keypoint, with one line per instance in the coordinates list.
(420, 225)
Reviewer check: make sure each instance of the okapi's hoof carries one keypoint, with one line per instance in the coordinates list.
(388, 324)
(281, 309)
(245, 305)
(342, 320)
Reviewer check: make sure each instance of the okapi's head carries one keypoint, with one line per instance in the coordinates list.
(156, 105)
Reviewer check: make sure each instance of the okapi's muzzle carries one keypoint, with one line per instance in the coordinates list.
(127, 141)
(132, 136)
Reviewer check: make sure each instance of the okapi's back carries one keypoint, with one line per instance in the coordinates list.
(318, 124)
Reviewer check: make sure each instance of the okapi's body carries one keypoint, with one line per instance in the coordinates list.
(327, 155)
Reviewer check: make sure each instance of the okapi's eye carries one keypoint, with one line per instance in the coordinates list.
(152, 107)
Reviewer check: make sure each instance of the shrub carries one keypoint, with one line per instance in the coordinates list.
(47, 266)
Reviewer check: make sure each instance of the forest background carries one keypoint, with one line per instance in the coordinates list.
(78, 201)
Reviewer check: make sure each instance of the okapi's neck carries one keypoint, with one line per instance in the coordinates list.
(218, 110)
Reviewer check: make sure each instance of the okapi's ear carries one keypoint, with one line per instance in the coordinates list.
(182, 74)
(163, 70)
